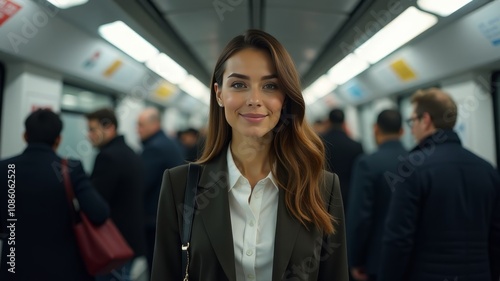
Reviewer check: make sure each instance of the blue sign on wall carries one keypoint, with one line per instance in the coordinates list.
(491, 30)
(355, 92)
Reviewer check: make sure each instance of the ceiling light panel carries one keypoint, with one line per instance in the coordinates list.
(442, 8)
(127, 40)
(347, 68)
(398, 32)
(167, 68)
(195, 88)
(65, 4)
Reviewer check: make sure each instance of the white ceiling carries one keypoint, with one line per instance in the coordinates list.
(193, 32)
(304, 27)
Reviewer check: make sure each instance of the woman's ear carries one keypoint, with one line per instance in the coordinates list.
(216, 89)
(218, 94)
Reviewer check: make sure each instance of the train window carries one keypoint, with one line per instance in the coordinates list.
(75, 99)
(75, 103)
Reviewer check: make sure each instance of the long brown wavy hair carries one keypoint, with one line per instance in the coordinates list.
(297, 153)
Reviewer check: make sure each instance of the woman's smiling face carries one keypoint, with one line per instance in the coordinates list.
(250, 94)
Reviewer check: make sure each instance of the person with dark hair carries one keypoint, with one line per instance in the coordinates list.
(189, 139)
(43, 126)
(443, 221)
(370, 194)
(267, 210)
(39, 214)
(336, 117)
(119, 176)
(340, 151)
(158, 154)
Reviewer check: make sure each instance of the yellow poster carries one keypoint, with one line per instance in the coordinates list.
(403, 70)
(112, 68)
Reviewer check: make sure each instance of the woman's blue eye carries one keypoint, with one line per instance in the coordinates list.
(271, 86)
(238, 85)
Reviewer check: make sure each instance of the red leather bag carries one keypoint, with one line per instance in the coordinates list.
(102, 248)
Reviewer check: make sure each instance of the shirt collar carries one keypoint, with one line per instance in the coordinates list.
(235, 174)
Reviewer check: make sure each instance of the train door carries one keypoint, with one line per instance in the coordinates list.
(75, 103)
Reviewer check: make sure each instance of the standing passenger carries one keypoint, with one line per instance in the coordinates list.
(159, 153)
(44, 243)
(341, 151)
(189, 139)
(118, 176)
(444, 219)
(266, 208)
(369, 196)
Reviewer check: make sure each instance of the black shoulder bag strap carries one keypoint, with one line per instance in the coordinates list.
(188, 213)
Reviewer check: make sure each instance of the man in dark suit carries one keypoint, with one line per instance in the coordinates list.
(341, 151)
(118, 176)
(370, 194)
(159, 153)
(443, 222)
(35, 213)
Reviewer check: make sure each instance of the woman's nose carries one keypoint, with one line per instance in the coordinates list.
(254, 98)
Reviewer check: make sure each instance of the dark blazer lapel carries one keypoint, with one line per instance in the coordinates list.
(213, 205)
(287, 229)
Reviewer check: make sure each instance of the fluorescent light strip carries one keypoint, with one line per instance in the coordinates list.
(127, 40)
(196, 89)
(346, 69)
(167, 68)
(443, 8)
(321, 87)
(65, 4)
(318, 89)
(398, 32)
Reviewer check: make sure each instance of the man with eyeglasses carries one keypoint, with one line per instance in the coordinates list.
(444, 218)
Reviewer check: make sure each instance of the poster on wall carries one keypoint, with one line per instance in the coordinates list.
(7, 10)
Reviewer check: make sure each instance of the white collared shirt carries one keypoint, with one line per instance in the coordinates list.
(253, 220)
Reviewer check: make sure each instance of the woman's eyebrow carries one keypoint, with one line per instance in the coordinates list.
(241, 76)
(237, 75)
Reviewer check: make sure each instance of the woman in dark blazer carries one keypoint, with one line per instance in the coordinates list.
(266, 209)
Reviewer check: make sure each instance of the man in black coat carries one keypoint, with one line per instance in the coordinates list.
(370, 194)
(341, 152)
(35, 213)
(444, 219)
(159, 153)
(118, 176)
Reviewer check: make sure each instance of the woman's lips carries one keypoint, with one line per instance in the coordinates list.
(253, 117)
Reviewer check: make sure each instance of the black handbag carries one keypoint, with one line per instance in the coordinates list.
(188, 214)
